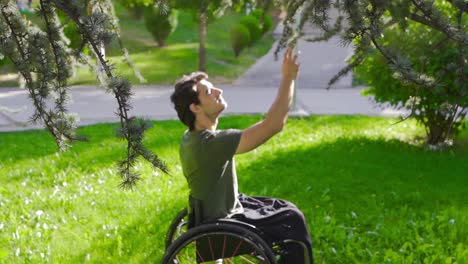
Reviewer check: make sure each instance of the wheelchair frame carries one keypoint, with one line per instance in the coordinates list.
(179, 236)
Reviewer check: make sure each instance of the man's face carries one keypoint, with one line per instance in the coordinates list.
(211, 98)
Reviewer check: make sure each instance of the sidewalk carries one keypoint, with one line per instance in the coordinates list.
(93, 105)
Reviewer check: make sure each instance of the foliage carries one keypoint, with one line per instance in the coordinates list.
(158, 23)
(135, 3)
(265, 20)
(179, 56)
(252, 24)
(70, 30)
(4, 60)
(386, 204)
(136, 7)
(428, 52)
(240, 38)
(375, 25)
(204, 12)
(45, 62)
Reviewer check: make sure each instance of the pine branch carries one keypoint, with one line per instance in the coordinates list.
(289, 35)
(94, 30)
(434, 19)
(23, 64)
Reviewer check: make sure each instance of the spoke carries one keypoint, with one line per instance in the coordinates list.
(237, 248)
(247, 260)
(224, 246)
(199, 255)
(211, 248)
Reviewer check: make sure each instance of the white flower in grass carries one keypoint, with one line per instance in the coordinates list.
(327, 218)
(39, 234)
(64, 184)
(23, 184)
(353, 215)
(452, 221)
(17, 252)
(16, 235)
(1, 226)
(39, 213)
(42, 255)
(45, 226)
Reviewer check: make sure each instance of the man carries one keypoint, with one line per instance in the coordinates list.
(208, 165)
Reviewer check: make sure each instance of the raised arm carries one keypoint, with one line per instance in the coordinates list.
(277, 115)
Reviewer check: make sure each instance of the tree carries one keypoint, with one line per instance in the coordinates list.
(432, 83)
(205, 11)
(160, 23)
(44, 60)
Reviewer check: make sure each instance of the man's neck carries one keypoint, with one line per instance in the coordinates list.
(205, 123)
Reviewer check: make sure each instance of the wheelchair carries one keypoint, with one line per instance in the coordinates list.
(221, 241)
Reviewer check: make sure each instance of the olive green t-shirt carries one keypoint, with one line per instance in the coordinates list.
(209, 167)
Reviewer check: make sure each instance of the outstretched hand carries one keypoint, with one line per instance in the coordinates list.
(290, 66)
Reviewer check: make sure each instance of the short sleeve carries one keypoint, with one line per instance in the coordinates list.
(222, 144)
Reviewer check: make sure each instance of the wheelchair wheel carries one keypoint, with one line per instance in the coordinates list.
(219, 243)
(178, 226)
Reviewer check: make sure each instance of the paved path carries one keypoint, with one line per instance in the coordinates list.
(93, 105)
(251, 93)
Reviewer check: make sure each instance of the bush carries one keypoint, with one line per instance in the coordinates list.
(70, 30)
(240, 38)
(4, 60)
(158, 24)
(436, 107)
(264, 19)
(252, 24)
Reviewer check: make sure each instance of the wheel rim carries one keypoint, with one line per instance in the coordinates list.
(219, 248)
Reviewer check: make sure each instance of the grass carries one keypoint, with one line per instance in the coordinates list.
(178, 57)
(370, 192)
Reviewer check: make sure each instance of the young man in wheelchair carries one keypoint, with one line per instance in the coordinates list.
(208, 165)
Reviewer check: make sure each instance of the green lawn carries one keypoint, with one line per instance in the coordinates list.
(178, 57)
(370, 192)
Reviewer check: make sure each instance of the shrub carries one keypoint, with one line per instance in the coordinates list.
(158, 24)
(435, 108)
(4, 60)
(70, 30)
(264, 19)
(252, 24)
(240, 38)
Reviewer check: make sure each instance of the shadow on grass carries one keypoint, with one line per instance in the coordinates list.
(349, 173)
(102, 149)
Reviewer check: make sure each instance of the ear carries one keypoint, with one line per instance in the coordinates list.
(194, 108)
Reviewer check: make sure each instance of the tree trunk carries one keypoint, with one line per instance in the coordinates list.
(202, 40)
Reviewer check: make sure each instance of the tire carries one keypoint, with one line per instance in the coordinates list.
(178, 224)
(220, 237)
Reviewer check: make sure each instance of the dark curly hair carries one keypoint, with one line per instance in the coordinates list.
(184, 95)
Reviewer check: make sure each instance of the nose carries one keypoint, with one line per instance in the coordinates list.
(217, 90)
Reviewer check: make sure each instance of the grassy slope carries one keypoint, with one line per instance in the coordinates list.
(179, 56)
(369, 193)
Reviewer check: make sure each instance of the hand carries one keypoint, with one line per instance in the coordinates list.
(290, 67)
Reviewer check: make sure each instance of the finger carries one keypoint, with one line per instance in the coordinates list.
(290, 50)
(286, 54)
(295, 57)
